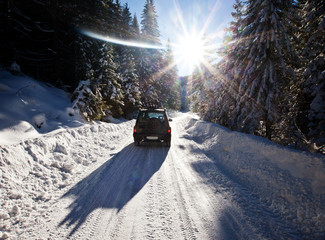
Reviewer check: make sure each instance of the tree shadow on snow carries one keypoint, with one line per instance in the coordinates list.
(115, 183)
(247, 217)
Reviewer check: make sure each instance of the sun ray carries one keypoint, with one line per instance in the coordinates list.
(180, 17)
(210, 17)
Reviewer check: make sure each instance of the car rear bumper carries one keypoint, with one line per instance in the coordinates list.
(138, 137)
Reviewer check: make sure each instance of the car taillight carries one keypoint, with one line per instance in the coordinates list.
(169, 130)
(135, 129)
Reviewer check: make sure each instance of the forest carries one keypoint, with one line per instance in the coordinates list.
(46, 40)
(269, 81)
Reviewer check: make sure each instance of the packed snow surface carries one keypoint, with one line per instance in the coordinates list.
(65, 179)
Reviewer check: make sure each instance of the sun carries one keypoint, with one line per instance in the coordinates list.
(190, 51)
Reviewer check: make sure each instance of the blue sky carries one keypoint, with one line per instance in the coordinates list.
(176, 17)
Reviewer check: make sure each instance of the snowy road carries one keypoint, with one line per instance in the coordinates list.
(146, 192)
(154, 192)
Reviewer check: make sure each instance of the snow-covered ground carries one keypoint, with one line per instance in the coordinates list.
(69, 179)
(29, 108)
(288, 183)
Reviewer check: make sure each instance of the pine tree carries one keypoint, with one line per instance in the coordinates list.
(230, 70)
(127, 66)
(111, 81)
(135, 28)
(99, 93)
(314, 86)
(149, 25)
(114, 18)
(87, 96)
(149, 59)
(130, 82)
(136, 52)
(100, 90)
(267, 72)
(30, 38)
(215, 96)
(126, 20)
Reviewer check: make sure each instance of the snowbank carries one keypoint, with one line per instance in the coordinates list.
(29, 108)
(37, 171)
(290, 182)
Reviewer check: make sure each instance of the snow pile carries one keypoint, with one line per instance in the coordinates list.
(290, 182)
(29, 107)
(39, 170)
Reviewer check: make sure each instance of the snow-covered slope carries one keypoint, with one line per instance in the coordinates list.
(29, 107)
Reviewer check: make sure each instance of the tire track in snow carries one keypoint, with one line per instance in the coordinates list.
(166, 202)
(88, 229)
(180, 186)
(150, 214)
(154, 225)
(186, 224)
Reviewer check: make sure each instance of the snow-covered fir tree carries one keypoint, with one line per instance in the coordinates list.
(267, 72)
(87, 96)
(113, 18)
(135, 36)
(120, 26)
(111, 81)
(126, 20)
(284, 131)
(150, 60)
(214, 91)
(149, 24)
(130, 82)
(229, 71)
(199, 83)
(127, 66)
(314, 86)
(99, 92)
(135, 28)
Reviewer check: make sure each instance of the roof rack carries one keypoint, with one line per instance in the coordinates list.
(152, 107)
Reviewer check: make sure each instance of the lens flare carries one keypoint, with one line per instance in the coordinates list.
(119, 41)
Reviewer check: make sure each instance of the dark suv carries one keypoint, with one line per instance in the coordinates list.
(152, 125)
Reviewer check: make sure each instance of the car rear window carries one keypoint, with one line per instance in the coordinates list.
(143, 116)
